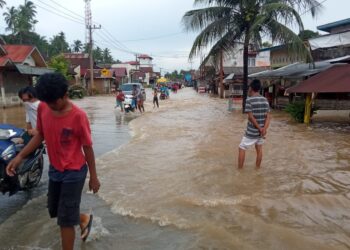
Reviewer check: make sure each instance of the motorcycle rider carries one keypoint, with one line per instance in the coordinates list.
(66, 131)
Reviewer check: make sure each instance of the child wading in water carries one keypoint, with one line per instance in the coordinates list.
(258, 110)
(120, 98)
(66, 131)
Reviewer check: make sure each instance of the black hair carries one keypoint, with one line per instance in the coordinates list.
(20, 92)
(255, 85)
(29, 90)
(51, 87)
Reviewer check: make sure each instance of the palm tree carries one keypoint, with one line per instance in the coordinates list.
(11, 18)
(26, 16)
(2, 3)
(228, 24)
(77, 46)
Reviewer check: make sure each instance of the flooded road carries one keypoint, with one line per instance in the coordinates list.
(175, 184)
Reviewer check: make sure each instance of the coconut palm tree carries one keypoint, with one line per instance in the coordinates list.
(226, 24)
(77, 46)
(26, 16)
(11, 18)
(2, 3)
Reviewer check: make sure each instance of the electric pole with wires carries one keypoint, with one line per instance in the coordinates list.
(89, 40)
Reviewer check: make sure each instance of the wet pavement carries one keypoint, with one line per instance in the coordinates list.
(175, 184)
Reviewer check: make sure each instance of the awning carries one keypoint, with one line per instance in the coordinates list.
(298, 70)
(34, 71)
(331, 40)
(229, 77)
(333, 80)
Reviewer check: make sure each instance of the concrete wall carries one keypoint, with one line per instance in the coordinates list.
(281, 57)
(103, 85)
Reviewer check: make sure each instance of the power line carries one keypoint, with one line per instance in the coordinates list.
(154, 38)
(58, 14)
(74, 13)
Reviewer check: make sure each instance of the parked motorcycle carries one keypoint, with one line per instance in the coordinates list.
(12, 141)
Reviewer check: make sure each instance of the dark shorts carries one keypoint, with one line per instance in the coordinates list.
(64, 196)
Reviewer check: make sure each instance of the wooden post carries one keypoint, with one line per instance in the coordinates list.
(2, 90)
(307, 115)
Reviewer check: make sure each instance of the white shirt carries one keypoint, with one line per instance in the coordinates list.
(31, 112)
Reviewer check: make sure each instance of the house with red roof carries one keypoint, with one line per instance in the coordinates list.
(79, 67)
(20, 66)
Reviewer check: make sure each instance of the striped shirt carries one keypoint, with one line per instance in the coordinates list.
(259, 106)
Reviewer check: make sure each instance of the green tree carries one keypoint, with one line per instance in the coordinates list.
(86, 48)
(98, 55)
(25, 19)
(77, 46)
(2, 3)
(228, 24)
(107, 56)
(307, 34)
(266, 44)
(60, 64)
(11, 17)
(20, 21)
(58, 44)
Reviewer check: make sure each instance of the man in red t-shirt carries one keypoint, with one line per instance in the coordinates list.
(66, 131)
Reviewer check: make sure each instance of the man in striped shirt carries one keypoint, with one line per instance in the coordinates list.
(258, 110)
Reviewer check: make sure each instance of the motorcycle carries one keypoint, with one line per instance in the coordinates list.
(12, 141)
(129, 104)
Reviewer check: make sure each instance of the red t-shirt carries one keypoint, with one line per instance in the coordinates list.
(64, 136)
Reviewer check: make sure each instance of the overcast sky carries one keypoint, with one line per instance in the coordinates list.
(152, 27)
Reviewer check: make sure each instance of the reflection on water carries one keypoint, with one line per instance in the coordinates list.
(179, 172)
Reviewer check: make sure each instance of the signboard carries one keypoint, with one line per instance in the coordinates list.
(105, 72)
(188, 77)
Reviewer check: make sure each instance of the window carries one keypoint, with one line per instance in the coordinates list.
(251, 62)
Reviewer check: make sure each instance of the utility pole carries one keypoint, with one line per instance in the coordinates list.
(221, 74)
(89, 40)
(91, 49)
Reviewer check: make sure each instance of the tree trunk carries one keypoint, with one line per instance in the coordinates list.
(245, 69)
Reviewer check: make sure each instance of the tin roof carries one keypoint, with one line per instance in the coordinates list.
(329, 26)
(333, 80)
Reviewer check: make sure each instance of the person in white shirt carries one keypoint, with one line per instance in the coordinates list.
(31, 103)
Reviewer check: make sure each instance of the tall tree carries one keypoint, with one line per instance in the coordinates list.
(58, 44)
(107, 56)
(21, 21)
(26, 16)
(11, 17)
(98, 55)
(77, 46)
(230, 23)
(2, 3)
(307, 34)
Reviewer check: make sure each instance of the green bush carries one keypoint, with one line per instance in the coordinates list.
(297, 110)
(76, 91)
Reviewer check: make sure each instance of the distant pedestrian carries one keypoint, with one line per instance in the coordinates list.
(155, 98)
(258, 110)
(120, 98)
(140, 100)
(31, 103)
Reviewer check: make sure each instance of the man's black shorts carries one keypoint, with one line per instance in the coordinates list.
(64, 202)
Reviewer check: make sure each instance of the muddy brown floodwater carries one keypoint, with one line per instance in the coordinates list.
(179, 173)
